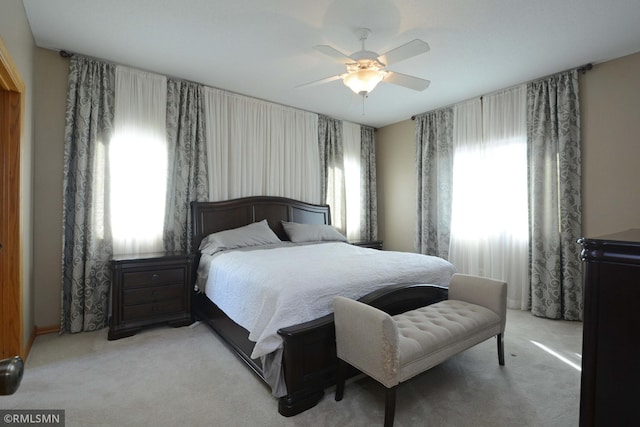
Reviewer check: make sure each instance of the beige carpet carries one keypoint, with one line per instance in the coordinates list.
(187, 377)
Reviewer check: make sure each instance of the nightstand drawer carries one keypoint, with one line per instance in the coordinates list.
(142, 311)
(149, 289)
(153, 278)
(152, 294)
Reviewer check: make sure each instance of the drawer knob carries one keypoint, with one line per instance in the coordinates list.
(155, 276)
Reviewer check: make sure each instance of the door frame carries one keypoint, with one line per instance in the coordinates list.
(12, 104)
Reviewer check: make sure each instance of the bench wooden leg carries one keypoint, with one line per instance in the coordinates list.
(341, 377)
(390, 406)
(500, 349)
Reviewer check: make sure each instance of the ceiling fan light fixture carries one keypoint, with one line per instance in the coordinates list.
(363, 81)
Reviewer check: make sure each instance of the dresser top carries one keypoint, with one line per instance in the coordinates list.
(623, 247)
(150, 256)
(631, 235)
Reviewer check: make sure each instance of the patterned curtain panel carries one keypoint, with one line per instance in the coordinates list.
(434, 157)
(368, 193)
(331, 168)
(555, 202)
(86, 232)
(187, 163)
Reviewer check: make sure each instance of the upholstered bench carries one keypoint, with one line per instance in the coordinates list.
(393, 349)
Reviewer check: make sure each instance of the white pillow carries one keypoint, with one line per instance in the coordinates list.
(255, 234)
(299, 233)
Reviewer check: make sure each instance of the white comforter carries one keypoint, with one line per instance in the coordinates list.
(264, 290)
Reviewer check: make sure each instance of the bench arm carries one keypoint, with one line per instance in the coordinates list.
(367, 338)
(482, 291)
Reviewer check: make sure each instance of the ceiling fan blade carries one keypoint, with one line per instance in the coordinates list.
(405, 51)
(334, 53)
(410, 82)
(319, 82)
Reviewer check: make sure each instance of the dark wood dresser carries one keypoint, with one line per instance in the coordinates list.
(610, 386)
(149, 289)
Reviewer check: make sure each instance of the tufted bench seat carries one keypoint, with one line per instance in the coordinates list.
(393, 349)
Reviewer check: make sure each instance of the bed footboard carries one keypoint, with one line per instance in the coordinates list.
(309, 352)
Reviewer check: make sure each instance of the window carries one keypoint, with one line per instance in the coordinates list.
(138, 162)
(489, 216)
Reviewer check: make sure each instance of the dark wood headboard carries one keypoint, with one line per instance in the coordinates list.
(211, 217)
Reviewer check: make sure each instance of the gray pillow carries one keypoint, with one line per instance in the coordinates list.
(299, 233)
(255, 234)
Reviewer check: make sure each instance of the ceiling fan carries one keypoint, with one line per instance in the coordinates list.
(365, 69)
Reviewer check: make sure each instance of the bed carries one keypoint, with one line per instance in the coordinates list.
(297, 361)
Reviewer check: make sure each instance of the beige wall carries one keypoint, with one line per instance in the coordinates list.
(51, 74)
(16, 34)
(610, 108)
(610, 111)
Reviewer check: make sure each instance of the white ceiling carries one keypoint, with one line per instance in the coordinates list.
(264, 48)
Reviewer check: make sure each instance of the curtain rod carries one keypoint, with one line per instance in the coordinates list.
(67, 54)
(583, 70)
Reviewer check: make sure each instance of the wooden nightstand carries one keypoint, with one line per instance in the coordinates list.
(373, 244)
(149, 289)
